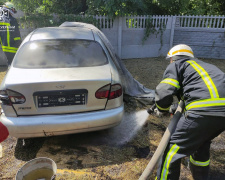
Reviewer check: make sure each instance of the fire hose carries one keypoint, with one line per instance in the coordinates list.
(164, 141)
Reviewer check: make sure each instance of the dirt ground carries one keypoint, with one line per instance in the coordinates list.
(120, 153)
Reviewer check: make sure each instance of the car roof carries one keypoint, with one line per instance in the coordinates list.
(79, 24)
(62, 33)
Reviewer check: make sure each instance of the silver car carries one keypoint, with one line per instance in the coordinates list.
(62, 80)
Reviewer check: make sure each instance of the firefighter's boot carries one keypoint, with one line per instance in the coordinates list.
(199, 172)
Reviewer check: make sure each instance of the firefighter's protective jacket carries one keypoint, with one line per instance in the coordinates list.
(199, 84)
(9, 34)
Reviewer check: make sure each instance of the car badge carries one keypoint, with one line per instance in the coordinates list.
(61, 99)
(60, 86)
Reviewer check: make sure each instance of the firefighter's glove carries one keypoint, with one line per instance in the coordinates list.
(158, 113)
(155, 111)
(173, 108)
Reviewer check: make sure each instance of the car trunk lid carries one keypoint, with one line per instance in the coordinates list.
(60, 90)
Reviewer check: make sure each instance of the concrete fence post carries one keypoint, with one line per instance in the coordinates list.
(120, 29)
(173, 23)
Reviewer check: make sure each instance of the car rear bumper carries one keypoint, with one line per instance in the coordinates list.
(52, 125)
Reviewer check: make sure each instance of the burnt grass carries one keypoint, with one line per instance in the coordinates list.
(97, 155)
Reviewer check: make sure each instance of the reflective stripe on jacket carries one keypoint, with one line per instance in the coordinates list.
(201, 85)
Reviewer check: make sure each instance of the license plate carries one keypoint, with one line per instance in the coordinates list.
(61, 98)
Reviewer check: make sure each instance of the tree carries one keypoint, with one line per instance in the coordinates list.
(114, 8)
(2, 2)
(207, 7)
(27, 6)
(190, 7)
(51, 6)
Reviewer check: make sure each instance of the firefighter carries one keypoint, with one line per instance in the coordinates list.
(9, 31)
(201, 86)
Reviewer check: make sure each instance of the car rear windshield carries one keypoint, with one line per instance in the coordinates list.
(60, 53)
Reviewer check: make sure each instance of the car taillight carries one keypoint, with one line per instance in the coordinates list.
(103, 92)
(116, 91)
(9, 97)
(109, 91)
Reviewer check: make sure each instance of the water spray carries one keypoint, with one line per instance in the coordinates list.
(128, 128)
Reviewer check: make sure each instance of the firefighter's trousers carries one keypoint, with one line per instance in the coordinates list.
(10, 57)
(192, 137)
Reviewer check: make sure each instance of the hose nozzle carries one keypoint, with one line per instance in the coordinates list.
(151, 109)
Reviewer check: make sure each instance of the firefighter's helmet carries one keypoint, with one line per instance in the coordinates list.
(10, 7)
(180, 50)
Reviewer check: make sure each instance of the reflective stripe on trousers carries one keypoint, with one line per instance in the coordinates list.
(173, 150)
(199, 163)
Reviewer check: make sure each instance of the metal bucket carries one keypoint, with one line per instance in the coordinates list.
(38, 169)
